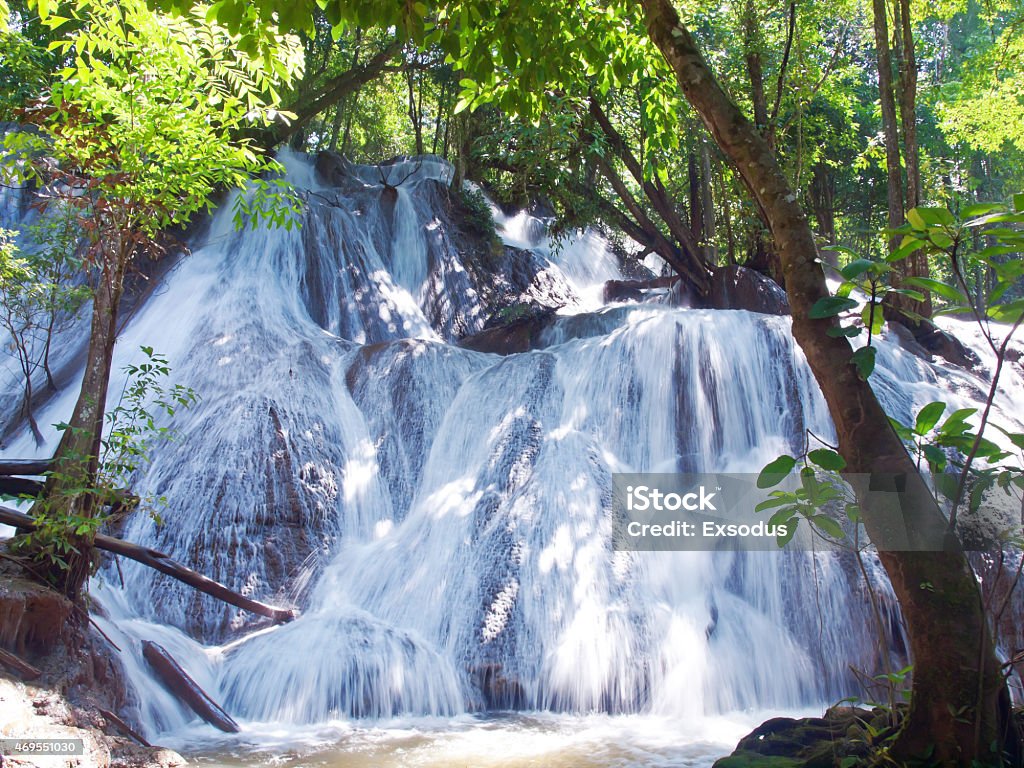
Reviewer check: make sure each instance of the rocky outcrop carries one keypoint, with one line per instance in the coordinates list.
(521, 333)
(81, 682)
(843, 737)
(735, 287)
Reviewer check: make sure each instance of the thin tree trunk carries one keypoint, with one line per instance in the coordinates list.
(957, 685)
(707, 206)
(916, 265)
(894, 180)
(77, 458)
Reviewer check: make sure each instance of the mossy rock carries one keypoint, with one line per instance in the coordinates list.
(813, 742)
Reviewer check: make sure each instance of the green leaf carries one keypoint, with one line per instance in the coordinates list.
(829, 526)
(956, 424)
(828, 459)
(938, 287)
(928, 417)
(864, 359)
(1018, 203)
(775, 501)
(936, 459)
(1008, 312)
(830, 306)
(783, 516)
(871, 316)
(909, 245)
(790, 533)
(930, 216)
(852, 513)
(856, 268)
(904, 432)
(775, 471)
(844, 330)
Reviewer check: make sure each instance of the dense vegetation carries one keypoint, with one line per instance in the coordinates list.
(781, 137)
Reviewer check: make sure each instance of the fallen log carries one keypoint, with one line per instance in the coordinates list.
(20, 486)
(185, 688)
(161, 562)
(21, 668)
(25, 466)
(122, 726)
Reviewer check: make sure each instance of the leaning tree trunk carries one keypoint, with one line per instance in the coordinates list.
(957, 688)
(76, 462)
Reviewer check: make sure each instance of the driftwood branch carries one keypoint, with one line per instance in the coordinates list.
(21, 668)
(122, 726)
(161, 562)
(185, 688)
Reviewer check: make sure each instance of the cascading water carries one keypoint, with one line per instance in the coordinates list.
(441, 515)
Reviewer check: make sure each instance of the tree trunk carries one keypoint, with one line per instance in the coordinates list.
(707, 207)
(915, 265)
(687, 259)
(957, 688)
(893, 174)
(76, 461)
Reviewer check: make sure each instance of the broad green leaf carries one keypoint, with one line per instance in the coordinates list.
(829, 526)
(856, 268)
(775, 501)
(939, 288)
(909, 245)
(871, 316)
(864, 359)
(904, 432)
(783, 516)
(1018, 203)
(928, 417)
(828, 459)
(1009, 312)
(775, 472)
(790, 533)
(847, 330)
(829, 306)
(937, 460)
(956, 423)
(930, 216)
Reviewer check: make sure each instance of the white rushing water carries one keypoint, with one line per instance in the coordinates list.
(442, 516)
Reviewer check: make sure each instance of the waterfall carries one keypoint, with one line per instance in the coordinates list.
(442, 516)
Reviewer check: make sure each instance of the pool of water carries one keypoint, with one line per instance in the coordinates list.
(493, 741)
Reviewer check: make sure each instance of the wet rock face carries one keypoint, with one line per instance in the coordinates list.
(520, 334)
(735, 287)
(33, 619)
(499, 692)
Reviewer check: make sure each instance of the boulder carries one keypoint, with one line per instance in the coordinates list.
(520, 333)
(841, 737)
(736, 287)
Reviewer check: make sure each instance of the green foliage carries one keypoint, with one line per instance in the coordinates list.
(478, 214)
(74, 516)
(148, 117)
(25, 68)
(133, 427)
(38, 294)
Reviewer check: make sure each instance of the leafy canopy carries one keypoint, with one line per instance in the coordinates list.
(150, 114)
